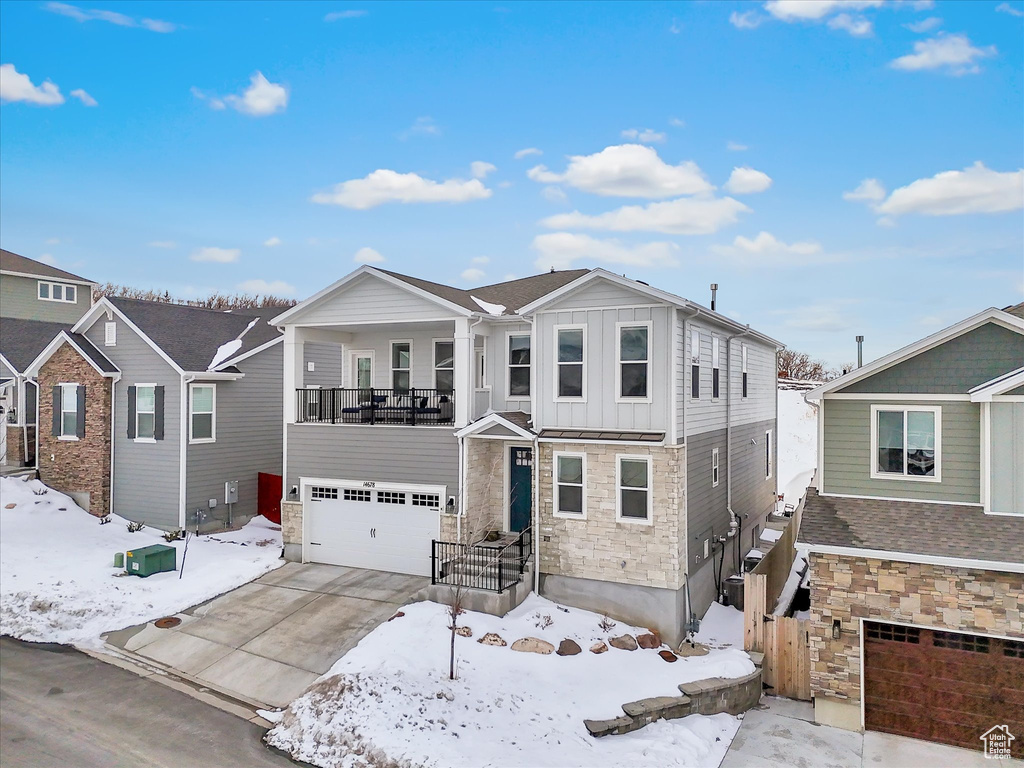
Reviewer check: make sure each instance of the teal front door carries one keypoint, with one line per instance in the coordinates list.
(520, 488)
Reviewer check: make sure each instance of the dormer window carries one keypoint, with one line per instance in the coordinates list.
(62, 292)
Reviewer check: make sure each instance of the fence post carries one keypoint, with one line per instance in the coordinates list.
(501, 582)
(433, 561)
(412, 405)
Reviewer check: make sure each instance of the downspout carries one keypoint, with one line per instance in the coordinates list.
(734, 521)
(183, 427)
(693, 312)
(113, 437)
(24, 431)
(536, 454)
(462, 490)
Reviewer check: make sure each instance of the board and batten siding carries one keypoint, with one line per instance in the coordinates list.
(847, 455)
(496, 365)
(1007, 458)
(368, 299)
(249, 440)
(146, 475)
(19, 297)
(600, 293)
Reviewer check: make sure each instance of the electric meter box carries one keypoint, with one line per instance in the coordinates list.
(231, 492)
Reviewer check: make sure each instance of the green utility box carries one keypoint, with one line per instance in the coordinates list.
(149, 560)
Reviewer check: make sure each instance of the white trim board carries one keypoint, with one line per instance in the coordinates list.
(105, 305)
(55, 344)
(247, 355)
(47, 278)
(912, 557)
(984, 392)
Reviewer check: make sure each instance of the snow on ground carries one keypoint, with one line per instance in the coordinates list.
(389, 700)
(771, 535)
(58, 583)
(721, 627)
(798, 444)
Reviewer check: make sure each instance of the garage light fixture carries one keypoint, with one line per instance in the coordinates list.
(837, 628)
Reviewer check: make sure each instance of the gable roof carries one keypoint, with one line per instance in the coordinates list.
(21, 341)
(13, 263)
(516, 423)
(1017, 310)
(929, 342)
(89, 352)
(983, 392)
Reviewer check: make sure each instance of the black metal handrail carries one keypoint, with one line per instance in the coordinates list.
(336, 405)
(478, 566)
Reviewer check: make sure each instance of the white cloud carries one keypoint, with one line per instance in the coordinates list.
(215, 102)
(421, 126)
(627, 170)
(112, 17)
(735, 146)
(387, 186)
(165, 244)
(53, 241)
(504, 184)
(816, 317)
(219, 255)
(472, 275)
(952, 54)
(367, 255)
(261, 98)
(976, 189)
(857, 26)
(924, 25)
(84, 97)
(554, 194)
(870, 190)
(14, 86)
(480, 169)
(746, 20)
(561, 249)
(481, 259)
(886, 221)
(645, 136)
(685, 216)
(527, 152)
(272, 242)
(1007, 8)
(273, 288)
(350, 14)
(676, 27)
(767, 250)
(677, 122)
(813, 10)
(47, 258)
(747, 181)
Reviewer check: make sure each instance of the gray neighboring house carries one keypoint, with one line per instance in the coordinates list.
(621, 436)
(37, 301)
(186, 402)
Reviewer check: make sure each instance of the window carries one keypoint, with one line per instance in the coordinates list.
(401, 362)
(695, 364)
(959, 642)
(145, 412)
(634, 488)
(570, 479)
(390, 497)
(743, 355)
(69, 411)
(768, 454)
(202, 424)
(109, 334)
(906, 442)
(480, 371)
(431, 500)
(755, 537)
(58, 292)
(714, 467)
(355, 494)
(569, 382)
(444, 366)
(320, 493)
(518, 365)
(634, 358)
(715, 349)
(894, 632)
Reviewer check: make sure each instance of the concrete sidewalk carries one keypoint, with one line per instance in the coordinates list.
(267, 641)
(782, 732)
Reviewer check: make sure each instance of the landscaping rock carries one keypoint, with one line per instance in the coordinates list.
(568, 648)
(10, 506)
(492, 639)
(648, 641)
(598, 647)
(667, 655)
(692, 649)
(463, 631)
(398, 615)
(533, 645)
(623, 642)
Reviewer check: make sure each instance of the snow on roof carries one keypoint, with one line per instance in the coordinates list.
(491, 309)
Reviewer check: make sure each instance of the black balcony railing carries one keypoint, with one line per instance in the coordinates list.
(480, 566)
(374, 406)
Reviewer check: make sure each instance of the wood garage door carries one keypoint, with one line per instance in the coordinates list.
(942, 686)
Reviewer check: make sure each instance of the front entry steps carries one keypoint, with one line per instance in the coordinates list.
(485, 600)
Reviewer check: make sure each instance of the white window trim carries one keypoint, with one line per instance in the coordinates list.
(557, 366)
(480, 369)
(74, 435)
(138, 439)
(554, 485)
(873, 459)
(110, 334)
(618, 489)
(769, 455)
(715, 468)
(191, 412)
(619, 397)
(433, 359)
(694, 361)
(391, 362)
(743, 371)
(509, 366)
(716, 360)
(64, 289)
(352, 374)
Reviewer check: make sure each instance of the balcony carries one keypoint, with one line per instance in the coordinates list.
(412, 407)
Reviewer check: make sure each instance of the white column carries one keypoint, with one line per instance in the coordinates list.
(293, 369)
(463, 371)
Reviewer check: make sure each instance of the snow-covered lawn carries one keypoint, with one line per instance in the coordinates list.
(57, 578)
(389, 700)
(798, 444)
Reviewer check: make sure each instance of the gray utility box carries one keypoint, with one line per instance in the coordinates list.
(231, 492)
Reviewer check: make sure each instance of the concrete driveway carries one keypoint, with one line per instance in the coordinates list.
(267, 641)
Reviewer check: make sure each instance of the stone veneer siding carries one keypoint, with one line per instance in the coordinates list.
(15, 444)
(485, 491)
(597, 547)
(83, 465)
(851, 588)
(291, 529)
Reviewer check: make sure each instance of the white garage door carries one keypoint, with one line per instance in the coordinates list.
(386, 527)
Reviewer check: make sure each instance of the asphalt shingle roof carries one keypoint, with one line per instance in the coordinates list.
(12, 262)
(912, 527)
(90, 350)
(1016, 310)
(21, 341)
(191, 336)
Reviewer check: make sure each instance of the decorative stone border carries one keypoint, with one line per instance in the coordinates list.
(701, 697)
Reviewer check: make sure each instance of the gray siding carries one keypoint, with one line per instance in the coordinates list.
(682, 375)
(146, 475)
(19, 297)
(1007, 453)
(497, 367)
(370, 298)
(249, 439)
(328, 363)
(953, 367)
(847, 453)
(428, 455)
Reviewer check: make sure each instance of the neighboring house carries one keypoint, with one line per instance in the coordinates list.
(915, 532)
(162, 413)
(36, 302)
(580, 414)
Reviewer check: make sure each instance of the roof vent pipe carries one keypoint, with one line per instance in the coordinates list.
(860, 351)
(714, 294)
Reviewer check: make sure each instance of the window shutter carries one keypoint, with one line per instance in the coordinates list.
(80, 426)
(56, 410)
(158, 428)
(131, 413)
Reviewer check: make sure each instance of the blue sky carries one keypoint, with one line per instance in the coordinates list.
(837, 168)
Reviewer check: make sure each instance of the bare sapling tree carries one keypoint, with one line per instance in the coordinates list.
(214, 300)
(799, 365)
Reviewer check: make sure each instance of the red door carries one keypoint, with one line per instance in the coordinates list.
(268, 496)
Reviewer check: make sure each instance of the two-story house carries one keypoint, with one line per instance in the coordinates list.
(37, 301)
(915, 533)
(624, 435)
